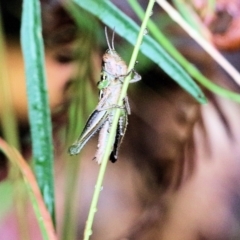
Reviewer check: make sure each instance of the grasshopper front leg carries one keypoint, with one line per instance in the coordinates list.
(136, 76)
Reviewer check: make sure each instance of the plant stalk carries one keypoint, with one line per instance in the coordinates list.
(98, 186)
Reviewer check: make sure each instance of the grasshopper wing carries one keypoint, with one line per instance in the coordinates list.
(93, 125)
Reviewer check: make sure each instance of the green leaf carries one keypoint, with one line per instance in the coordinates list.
(39, 112)
(125, 27)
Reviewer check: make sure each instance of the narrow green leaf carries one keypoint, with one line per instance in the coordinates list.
(125, 27)
(39, 113)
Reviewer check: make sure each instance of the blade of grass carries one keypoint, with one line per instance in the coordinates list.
(209, 48)
(43, 216)
(39, 113)
(189, 67)
(112, 131)
(125, 27)
(190, 15)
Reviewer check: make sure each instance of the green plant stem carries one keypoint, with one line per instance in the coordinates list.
(189, 67)
(98, 186)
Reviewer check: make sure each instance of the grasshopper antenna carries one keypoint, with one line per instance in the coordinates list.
(106, 34)
(113, 38)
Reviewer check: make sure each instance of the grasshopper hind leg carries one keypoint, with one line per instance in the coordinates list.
(93, 125)
(103, 135)
(121, 129)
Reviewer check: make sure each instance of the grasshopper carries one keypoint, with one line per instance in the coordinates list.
(114, 71)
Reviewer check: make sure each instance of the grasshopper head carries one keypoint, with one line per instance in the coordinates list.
(111, 55)
(113, 63)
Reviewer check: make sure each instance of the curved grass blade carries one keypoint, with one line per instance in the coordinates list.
(40, 209)
(189, 67)
(128, 29)
(39, 113)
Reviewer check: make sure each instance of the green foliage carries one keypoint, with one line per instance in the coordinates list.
(189, 67)
(39, 112)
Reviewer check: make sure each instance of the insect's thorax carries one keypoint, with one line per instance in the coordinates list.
(114, 69)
